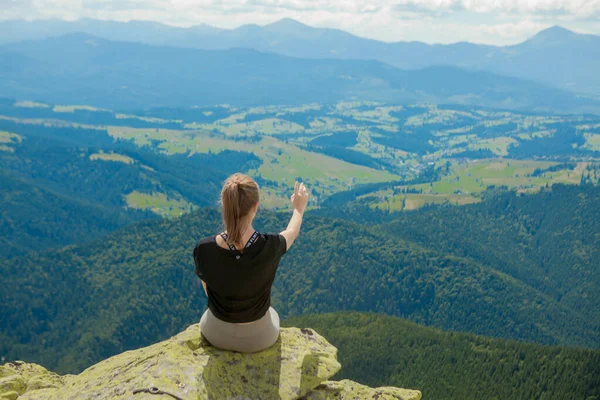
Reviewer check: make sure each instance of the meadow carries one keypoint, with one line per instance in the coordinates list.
(159, 203)
(339, 147)
(465, 181)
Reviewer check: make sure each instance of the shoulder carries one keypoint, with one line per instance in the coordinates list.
(273, 237)
(204, 243)
(276, 242)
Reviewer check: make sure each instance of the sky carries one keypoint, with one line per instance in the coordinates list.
(498, 22)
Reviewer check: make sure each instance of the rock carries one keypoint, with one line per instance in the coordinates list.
(13, 383)
(34, 376)
(9, 396)
(349, 390)
(186, 365)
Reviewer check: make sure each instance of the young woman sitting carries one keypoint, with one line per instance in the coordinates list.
(237, 268)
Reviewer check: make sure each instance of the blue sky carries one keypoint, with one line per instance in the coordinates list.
(432, 21)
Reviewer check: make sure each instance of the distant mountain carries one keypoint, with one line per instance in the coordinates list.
(134, 31)
(555, 56)
(82, 69)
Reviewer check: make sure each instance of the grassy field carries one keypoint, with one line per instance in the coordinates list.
(146, 119)
(369, 147)
(386, 200)
(466, 180)
(431, 116)
(31, 104)
(592, 141)
(278, 136)
(50, 122)
(70, 109)
(285, 161)
(175, 139)
(474, 176)
(379, 115)
(111, 157)
(158, 203)
(498, 146)
(268, 126)
(281, 162)
(7, 137)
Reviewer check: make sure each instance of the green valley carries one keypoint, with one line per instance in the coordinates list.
(339, 147)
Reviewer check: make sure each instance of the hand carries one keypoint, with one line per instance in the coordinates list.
(300, 197)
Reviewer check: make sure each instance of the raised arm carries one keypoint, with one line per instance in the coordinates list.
(299, 200)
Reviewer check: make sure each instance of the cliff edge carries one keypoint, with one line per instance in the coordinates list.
(187, 367)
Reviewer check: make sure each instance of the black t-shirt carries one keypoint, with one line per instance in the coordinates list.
(239, 284)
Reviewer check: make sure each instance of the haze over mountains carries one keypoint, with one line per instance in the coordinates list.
(83, 69)
(555, 56)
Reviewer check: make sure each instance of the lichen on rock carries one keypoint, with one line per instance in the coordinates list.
(18, 377)
(350, 390)
(186, 365)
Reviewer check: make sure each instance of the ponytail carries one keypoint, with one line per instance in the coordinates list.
(239, 195)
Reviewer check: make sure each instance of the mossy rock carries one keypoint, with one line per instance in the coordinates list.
(13, 383)
(189, 367)
(17, 378)
(186, 365)
(12, 395)
(349, 390)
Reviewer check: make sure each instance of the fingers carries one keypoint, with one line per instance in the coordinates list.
(299, 190)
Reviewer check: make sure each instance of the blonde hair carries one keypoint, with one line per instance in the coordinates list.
(238, 196)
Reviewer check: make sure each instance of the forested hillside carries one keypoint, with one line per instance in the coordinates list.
(550, 241)
(64, 185)
(136, 286)
(35, 218)
(377, 350)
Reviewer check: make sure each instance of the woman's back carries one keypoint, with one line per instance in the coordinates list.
(238, 279)
(239, 284)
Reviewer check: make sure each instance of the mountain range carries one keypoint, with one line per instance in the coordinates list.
(555, 56)
(83, 69)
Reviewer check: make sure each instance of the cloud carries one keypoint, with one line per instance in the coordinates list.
(6, 5)
(120, 5)
(579, 8)
(439, 21)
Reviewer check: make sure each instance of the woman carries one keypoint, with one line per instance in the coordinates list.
(237, 268)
